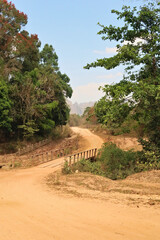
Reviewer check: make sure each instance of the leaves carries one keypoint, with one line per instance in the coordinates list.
(137, 96)
(33, 91)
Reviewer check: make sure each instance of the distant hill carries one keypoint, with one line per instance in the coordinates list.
(78, 108)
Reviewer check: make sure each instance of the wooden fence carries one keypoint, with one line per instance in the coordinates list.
(51, 155)
(26, 160)
(36, 159)
(88, 154)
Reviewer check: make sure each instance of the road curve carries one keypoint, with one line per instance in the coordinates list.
(29, 210)
(89, 140)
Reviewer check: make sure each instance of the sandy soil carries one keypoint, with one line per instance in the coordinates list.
(30, 210)
(124, 142)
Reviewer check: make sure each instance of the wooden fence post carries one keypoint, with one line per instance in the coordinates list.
(95, 153)
(47, 156)
(51, 155)
(90, 155)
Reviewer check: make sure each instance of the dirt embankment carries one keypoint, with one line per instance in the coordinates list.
(139, 190)
(30, 210)
(41, 154)
(124, 141)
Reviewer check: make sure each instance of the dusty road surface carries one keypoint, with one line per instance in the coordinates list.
(89, 139)
(29, 210)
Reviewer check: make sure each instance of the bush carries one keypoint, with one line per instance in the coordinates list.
(117, 163)
(66, 168)
(114, 163)
(83, 166)
(88, 166)
(150, 156)
(61, 132)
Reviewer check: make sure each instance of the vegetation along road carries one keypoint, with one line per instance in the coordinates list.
(29, 209)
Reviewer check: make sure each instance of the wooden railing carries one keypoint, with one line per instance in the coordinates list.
(88, 154)
(33, 159)
(51, 155)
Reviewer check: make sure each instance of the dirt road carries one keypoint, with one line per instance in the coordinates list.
(29, 210)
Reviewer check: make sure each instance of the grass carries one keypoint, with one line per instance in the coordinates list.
(87, 185)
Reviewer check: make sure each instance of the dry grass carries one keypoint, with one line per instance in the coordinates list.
(128, 191)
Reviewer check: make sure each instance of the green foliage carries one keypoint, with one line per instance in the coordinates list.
(49, 57)
(66, 168)
(117, 163)
(88, 166)
(137, 95)
(29, 129)
(33, 91)
(83, 166)
(150, 157)
(89, 115)
(5, 107)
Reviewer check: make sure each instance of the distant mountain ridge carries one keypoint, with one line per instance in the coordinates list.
(78, 108)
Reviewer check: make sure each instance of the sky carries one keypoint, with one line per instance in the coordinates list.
(70, 26)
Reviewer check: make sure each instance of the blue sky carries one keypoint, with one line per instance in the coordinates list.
(71, 27)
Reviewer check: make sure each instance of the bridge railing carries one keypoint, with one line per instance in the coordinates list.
(87, 154)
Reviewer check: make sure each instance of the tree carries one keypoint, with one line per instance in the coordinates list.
(5, 107)
(17, 49)
(138, 94)
(89, 115)
(57, 83)
(33, 91)
(49, 57)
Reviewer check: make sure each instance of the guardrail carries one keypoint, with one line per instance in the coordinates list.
(88, 154)
(54, 154)
(51, 155)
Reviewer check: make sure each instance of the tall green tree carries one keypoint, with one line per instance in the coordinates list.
(138, 94)
(49, 57)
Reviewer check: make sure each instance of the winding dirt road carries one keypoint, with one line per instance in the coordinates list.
(29, 210)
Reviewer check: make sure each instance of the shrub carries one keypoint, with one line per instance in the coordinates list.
(150, 156)
(88, 166)
(117, 163)
(83, 166)
(66, 168)
(61, 132)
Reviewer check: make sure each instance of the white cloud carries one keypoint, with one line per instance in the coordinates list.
(108, 50)
(136, 42)
(110, 76)
(113, 50)
(90, 92)
(87, 93)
